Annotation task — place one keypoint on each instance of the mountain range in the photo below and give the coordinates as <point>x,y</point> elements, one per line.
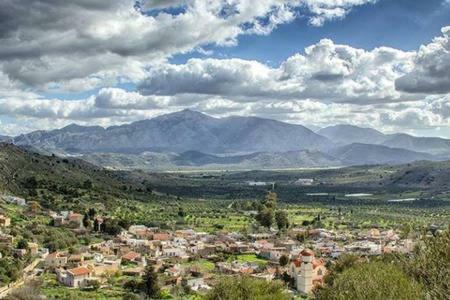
<point>348,134</point>
<point>190,139</point>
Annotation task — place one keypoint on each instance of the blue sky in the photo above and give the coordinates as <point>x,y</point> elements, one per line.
<point>401,24</point>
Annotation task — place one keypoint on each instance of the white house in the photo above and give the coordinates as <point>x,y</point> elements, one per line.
<point>77,277</point>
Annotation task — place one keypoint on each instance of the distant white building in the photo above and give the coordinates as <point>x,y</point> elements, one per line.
<point>304,181</point>
<point>257,183</point>
<point>173,252</point>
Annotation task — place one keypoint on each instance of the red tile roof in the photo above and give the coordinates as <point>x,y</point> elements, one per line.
<point>53,255</point>
<point>297,262</point>
<point>318,263</point>
<point>79,271</point>
<point>307,252</point>
<point>130,256</point>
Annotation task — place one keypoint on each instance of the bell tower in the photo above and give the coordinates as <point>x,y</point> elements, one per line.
<point>305,278</point>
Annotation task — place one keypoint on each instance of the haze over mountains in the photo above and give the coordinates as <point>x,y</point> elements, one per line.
<point>190,139</point>
<point>347,134</point>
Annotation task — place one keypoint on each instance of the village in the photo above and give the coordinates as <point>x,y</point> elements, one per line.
<point>194,260</point>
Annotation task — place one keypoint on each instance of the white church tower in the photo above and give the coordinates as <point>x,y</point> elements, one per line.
<point>305,277</point>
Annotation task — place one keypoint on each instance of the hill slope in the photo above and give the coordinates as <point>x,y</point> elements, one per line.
<point>198,160</point>
<point>22,171</point>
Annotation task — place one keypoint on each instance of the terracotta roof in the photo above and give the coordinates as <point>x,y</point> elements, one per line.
<point>53,255</point>
<point>246,270</point>
<point>131,256</point>
<point>161,236</point>
<point>79,271</point>
<point>307,252</point>
<point>318,263</point>
<point>75,217</point>
<point>315,263</point>
<point>297,262</point>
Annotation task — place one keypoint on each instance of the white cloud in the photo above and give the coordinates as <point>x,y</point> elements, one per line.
<point>431,72</point>
<point>65,43</point>
<point>326,71</point>
<point>115,98</point>
<point>324,10</point>
<point>117,106</point>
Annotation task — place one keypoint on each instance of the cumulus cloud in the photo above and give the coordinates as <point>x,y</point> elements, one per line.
<point>431,72</point>
<point>323,11</point>
<point>326,71</point>
<point>115,98</point>
<point>56,42</point>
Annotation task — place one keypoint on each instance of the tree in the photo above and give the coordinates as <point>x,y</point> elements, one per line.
<point>344,262</point>
<point>281,218</point>
<point>133,285</point>
<point>96,225</point>
<point>86,220</point>
<point>92,212</point>
<point>111,227</point>
<point>22,244</point>
<point>31,183</point>
<point>231,288</point>
<point>87,184</point>
<point>430,263</point>
<point>265,217</point>
<point>181,212</point>
<point>150,285</point>
<point>405,230</point>
<point>373,280</point>
<point>270,200</point>
<point>302,236</point>
<point>284,260</point>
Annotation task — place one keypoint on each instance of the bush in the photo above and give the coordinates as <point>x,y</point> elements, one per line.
<point>430,265</point>
<point>232,288</point>
<point>373,280</point>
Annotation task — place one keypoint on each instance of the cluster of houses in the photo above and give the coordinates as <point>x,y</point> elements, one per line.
<point>169,251</point>
<point>174,253</point>
<point>372,242</point>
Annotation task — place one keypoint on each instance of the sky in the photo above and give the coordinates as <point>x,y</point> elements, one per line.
<point>373,63</point>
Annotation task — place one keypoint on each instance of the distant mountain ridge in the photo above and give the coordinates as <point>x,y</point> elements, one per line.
<point>4,138</point>
<point>344,134</point>
<point>349,134</point>
<point>179,132</point>
<point>366,154</point>
<point>190,139</point>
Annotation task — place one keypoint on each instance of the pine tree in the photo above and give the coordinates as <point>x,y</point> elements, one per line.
<point>151,287</point>
<point>96,225</point>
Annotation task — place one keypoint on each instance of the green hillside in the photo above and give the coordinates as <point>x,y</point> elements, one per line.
<point>51,179</point>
